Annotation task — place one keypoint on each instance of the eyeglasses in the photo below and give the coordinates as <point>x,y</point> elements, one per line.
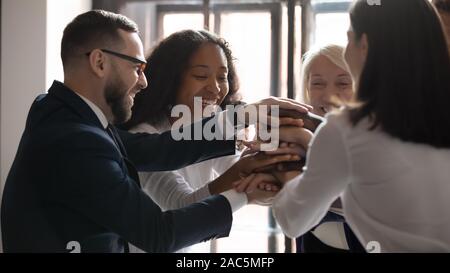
<point>142,64</point>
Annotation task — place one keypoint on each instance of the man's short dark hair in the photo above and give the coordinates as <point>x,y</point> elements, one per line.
<point>91,30</point>
<point>442,5</point>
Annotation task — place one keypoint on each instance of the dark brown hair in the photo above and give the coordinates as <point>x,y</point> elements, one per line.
<point>91,30</point>
<point>442,5</point>
<point>405,83</point>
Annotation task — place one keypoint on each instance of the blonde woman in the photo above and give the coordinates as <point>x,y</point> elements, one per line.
<point>325,79</point>
<point>325,84</point>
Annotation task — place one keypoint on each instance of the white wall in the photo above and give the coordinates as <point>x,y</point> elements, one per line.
<point>23,69</point>
<point>31,35</point>
<point>59,14</point>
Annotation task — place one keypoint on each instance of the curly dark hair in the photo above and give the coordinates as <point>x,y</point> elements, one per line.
<point>166,65</point>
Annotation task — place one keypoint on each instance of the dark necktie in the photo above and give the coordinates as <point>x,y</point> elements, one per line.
<point>132,172</point>
<point>116,138</point>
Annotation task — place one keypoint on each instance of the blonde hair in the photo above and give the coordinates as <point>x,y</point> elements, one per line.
<point>334,53</point>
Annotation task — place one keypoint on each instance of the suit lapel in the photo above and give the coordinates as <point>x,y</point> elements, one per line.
<point>72,100</point>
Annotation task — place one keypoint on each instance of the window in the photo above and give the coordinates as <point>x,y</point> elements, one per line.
<point>268,57</point>
<point>253,32</point>
<point>331,28</point>
<point>259,33</point>
<point>173,22</point>
<point>249,35</point>
<point>331,21</point>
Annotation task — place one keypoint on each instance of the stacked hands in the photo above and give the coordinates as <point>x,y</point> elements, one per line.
<point>261,174</point>
<point>283,164</point>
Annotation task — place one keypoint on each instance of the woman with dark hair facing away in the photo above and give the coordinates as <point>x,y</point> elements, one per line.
<point>388,156</point>
<point>186,65</point>
<point>443,8</point>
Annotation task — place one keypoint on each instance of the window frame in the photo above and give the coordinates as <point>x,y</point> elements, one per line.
<point>217,9</point>
<point>309,10</point>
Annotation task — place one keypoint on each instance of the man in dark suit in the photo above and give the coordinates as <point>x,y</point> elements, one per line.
<point>74,178</point>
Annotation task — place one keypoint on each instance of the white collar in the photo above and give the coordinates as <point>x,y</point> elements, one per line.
<point>101,117</point>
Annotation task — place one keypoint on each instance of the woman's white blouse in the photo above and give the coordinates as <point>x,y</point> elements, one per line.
<point>177,189</point>
<point>394,193</point>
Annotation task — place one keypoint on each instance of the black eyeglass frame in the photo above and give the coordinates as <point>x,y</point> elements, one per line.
<point>125,57</point>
